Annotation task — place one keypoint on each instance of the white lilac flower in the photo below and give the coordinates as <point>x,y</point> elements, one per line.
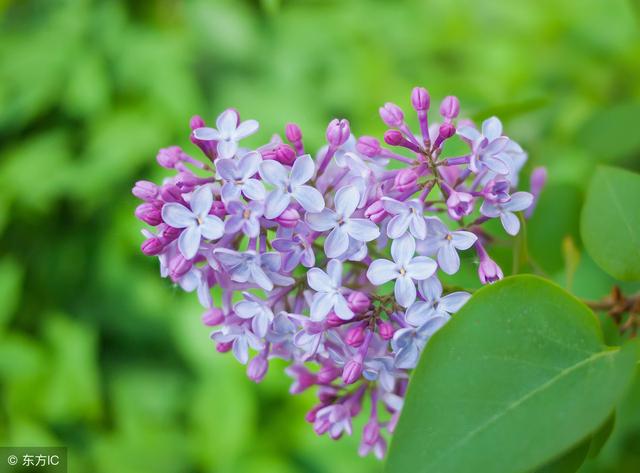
<point>196,221</point>
<point>196,280</point>
<point>290,184</point>
<point>238,177</point>
<point>328,296</point>
<point>519,201</point>
<point>241,338</point>
<point>245,217</point>
<point>255,309</point>
<point>409,342</point>
<point>343,227</point>
<point>407,216</point>
<point>444,244</point>
<point>228,133</point>
<point>434,304</point>
<point>249,266</point>
<point>488,148</point>
<point>296,248</point>
<point>405,269</point>
<point>383,370</point>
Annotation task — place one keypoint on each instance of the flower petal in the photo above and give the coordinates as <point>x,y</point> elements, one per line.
<point>398,225</point>
<point>403,249</point>
<point>240,350</point>
<point>453,302</point>
<point>309,197</point>
<point>321,305</point>
<point>448,259</point>
<point>469,133</point>
<point>227,149</point>
<point>519,201</point>
<point>334,270</point>
<point>342,309</point>
<point>322,221</point>
<point>463,240</point>
<point>405,291</point>
<point>510,222</point>
<point>302,170</point>
<point>206,134</point>
<point>337,242</point>
<point>228,169</point>
<point>246,128</point>
<point>253,189</point>
<point>492,128</point>
<point>201,200</point>
<point>362,229</point>
<point>247,309</point>
<point>421,267</point>
<point>419,313</point>
<point>430,289</point>
<point>273,172</point>
<point>346,201</point>
<point>319,280</point>
<point>177,215</point>
<point>382,271</point>
<point>393,206</point>
<point>227,121</point>
<point>248,164</point>
<point>189,241</point>
<point>260,277</point>
<point>276,202</point>
<point>212,227</point>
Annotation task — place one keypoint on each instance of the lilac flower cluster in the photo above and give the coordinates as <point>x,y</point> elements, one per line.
<point>332,263</point>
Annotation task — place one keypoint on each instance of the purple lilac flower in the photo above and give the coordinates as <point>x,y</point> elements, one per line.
<point>253,224</point>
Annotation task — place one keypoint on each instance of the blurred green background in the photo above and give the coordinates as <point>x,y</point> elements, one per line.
<point>96,351</point>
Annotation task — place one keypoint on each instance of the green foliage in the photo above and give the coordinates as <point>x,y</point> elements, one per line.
<point>610,223</point>
<point>496,389</point>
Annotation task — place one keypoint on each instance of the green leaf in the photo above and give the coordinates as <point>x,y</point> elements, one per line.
<point>570,461</point>
<point>519,375</point>
<point>610,223</point>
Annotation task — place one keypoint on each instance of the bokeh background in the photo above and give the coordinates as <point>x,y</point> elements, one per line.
<point>96,351</point>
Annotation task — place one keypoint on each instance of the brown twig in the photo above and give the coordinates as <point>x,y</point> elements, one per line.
<point>616,305</point>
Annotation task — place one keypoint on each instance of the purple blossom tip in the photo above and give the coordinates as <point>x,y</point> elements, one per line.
<point>392,115</point>
<point>257,368</point>
<point>352,371</point>
<point>293,132</point>
<point>355,335</point>
<point>213,317</point>
<point>406,179</point>
<point>369,146</point>
<point>196,122</point>
<point>376,212</point>
<point>149,213</point>
<point>385,329</point>
<point>145,190</point>
<point>358,302</point>
<point>338,132</point>
<point>420,99</point>
<point>450,107</point>
<point>289,218</point>
<point>393,138</point>
<point>170,157</point>
<point>152,246</point>
<point>488,271</point>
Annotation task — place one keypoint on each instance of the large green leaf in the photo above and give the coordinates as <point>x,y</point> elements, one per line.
<point>610,223</point>
<point>520,375</point>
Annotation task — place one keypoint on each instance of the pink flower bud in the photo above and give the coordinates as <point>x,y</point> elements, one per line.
<point>371,432</point>
<point>152,246</point>
<point>333,320</point>
<point>338,132</point>
<point>376,212</point>
<point>169,157</point>
<point>149,213</point>
<point>311,415</point>
<point>420,99</point>
<point>321,426</point>
<point>196,122</point>
<point>385,329</point>
<point>257,368</point>
<point>179,266</point>
<point>393,138</point>
<point>212,317</point>
<point>497,190</point>
<point>446,131</point>
<point>352,371</point>
<point>293,132</point>
<point>289,218</point>
<point>171,193</point>
<point>218,209</point>
<point>392,115</point>
<point>355,335</point>
<point>169,234</point>
<point>358,302</point>
<point>405,179</point>
<point>224,347</point>
<point>488,271</point>
<point>538,180</point>
<point>368,146</point>
<point>450,107</point>
<point>459,204</point>
<point>285,154</point>
<point>145,190</point>
<point>328,373</point>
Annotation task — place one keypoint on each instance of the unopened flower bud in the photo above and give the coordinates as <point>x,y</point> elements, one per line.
<point>420,99</point>
<point>538,180</point>
<point>328,373</point>
<point>149,213</point>
<point>446,131</point>
<point>169,157</point>
<point>224,347</point>
<point>497,190</point>
<point>488,271</point>
<point>450,107</point>
<point>212,317</point>
<point>392,115</point>
<point>369,146</point>
<point>218,209</point>
<point>393,138</point>
<point>171,193</point>
<point>358,302</point>
<point>333,320</point>
<point>338,132</point>
<point>459,204</point>
<point>179,266</point>
<point>405,179</point>
<point>385,329</point>
<point>145,190</point>
<point>293,132</point>
<point>376,212</point>
<point>352,371</point>
<point>285,154</point>
<point>289,218</point>
<point>355,335</point>
<point>257,368</point>
<point>196,122</point>
<point>169,234</point>
<point>152,246</point>
<point>371,432</point>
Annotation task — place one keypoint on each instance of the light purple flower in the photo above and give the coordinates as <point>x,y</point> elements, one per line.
<point>242,339</point>
<point>487,148</point>
<point>249,266</point>
<point>196,280</point>
<point>519,201</point>
<point>383,370</point>
<point>336,419</point>
<point>255,309</point>
<point>343,227</point>
<point>444,244</point>
<point>196,221</point>
<point>290,184</point>
<point>434,304</point>
<point>407,215</point>
<point>238,177</point>
<point>295,248</point>
<point>405,268</point>
<point>409,342</point>
<point>228,133</point>
<point>328,296</point>
<point>245,217</point>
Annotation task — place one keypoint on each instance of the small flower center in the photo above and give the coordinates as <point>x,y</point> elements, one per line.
<point>403,271</point>
<point>449,237</point>
<point>200,220</point>
<point>246,214</point>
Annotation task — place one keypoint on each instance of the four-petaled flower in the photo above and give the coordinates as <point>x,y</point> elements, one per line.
<point>434,304</point>
<point>228,133</point>
<point>343,227</point>
<point>196,221</point>
<point>488,148</point>
<point>519,201</point>
<point>290,184</point>
<point>255,309</point>
<point>241,337</point>
<point>245,217</point>
<point>238,177</point>
<point>444,244</point>
<point>249,266</point>
<point>405,268</point>
<point>407,216</point>
<point>328,287</point>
